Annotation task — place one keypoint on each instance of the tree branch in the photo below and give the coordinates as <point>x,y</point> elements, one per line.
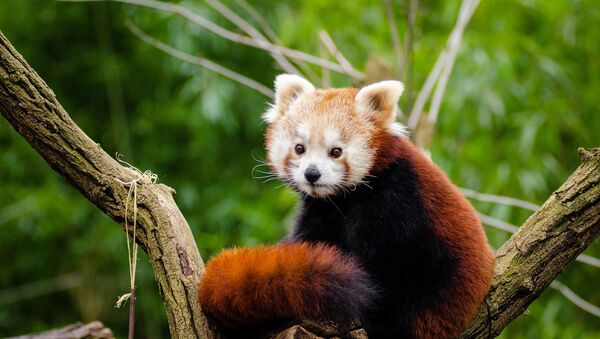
<point>548,241</point>
<point>200,61</point>
<point>93,330</point>
<point>33,110</point>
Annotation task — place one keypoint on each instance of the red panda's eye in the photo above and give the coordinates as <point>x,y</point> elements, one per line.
<point>299,149</point>
<point>336,152</point>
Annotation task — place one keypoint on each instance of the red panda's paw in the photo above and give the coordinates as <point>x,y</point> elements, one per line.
<point>244,287</point>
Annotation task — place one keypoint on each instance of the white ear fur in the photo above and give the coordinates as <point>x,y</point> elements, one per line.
<point>378,102</point>
<point>288,87</point>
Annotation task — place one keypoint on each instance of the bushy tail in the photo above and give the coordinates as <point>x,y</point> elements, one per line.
<point>245,287</point>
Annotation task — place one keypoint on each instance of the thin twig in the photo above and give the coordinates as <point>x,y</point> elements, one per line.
<point>211,65</point>
<point>325,73</point>
<point>498,199</point>
<point>575,299</point>
<point>395,36</point>
<point>411,16</point>
<point>131,314</point>
<point>497,223</point>
<point>232,36</point>
<point>417,110</point>
<point>262,22</point>
<point>444,63</point>
<point>270,33</point>
<point>330,45</point>
<point>252,32</point>
<point>587,259</point>
<point>465,15</point>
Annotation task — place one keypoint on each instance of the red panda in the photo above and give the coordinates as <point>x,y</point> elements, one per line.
<point>377,220</point>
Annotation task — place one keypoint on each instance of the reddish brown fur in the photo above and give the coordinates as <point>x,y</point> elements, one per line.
<point>286,162</point>
<point>245,287</point>
<point>453,219</point>
<point>456,223</point>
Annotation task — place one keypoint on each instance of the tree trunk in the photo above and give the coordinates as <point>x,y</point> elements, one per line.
<point>163,233</point>
<point>546,243</point>
<point>550,239</point>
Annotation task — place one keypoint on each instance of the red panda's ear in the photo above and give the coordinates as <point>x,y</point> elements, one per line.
<point>288,87</point>
<point>378,103</point>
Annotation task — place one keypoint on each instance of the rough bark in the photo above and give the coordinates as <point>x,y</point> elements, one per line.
<point>314,329</point>
<point>93,330</point>
<point>301,332</point>
<point>163,233</point>
<point>526,264</point>
<point>546,243</point>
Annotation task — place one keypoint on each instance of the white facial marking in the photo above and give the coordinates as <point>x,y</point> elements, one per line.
<point>304,131</point>
<point>332,136</point>
<point>279,150</point>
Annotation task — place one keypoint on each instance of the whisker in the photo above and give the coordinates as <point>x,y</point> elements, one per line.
<point>255,169</point>
<point>263,172</point>
<point>264,176</point>
<point>257,159</point>
<point>267,175</point>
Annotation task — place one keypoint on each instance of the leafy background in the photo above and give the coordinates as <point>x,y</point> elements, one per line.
<point>521,99</point>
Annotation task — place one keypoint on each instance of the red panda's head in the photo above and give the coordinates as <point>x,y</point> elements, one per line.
<point>322,141</point>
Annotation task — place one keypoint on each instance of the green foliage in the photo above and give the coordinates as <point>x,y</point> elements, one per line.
<point>521,99</point>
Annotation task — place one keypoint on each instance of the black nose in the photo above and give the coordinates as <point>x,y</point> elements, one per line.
<point>312,174</point>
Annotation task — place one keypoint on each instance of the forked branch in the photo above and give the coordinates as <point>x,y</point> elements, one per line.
<point>31,108</point>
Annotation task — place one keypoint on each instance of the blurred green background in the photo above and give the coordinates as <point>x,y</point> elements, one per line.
<point>522,97</point>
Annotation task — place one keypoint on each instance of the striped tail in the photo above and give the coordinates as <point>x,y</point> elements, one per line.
<point>246,287</point>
